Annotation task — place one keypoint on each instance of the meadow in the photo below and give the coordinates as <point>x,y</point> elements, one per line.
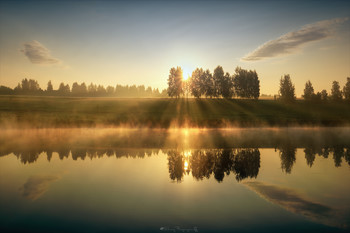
<point>54,112</point>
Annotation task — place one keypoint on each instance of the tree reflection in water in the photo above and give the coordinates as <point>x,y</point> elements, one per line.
<point>222,151</point>
<point>243,162</point>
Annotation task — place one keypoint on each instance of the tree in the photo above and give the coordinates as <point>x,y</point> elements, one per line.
<point>346,89</point>
<point>49,87</point>
<point>175,82</point>
<point>196,83</point>
<point>324,95</point>
<point>63,89</point>
<point>218,78</point>
<point>209,84</point>
<point>227,86</point>
<point>101,91</point>
<point>110,90</point>
<point>92,89</point>
<point>246,83</point>
<point>287,89</point>
<point>5,90</point>
<point>336,94</point>
<point>308,91</point>
<point>75,88</point>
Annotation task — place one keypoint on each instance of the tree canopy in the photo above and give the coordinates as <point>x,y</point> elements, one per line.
<point>287,89</point>
<point>175,88</point>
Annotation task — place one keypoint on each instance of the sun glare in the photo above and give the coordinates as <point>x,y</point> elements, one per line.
<point>187,72</point>
<point>186,166</point>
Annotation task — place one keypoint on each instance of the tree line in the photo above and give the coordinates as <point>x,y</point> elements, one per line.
<point>31,87</point>
<point>243,84</point>
<point>287,91</point>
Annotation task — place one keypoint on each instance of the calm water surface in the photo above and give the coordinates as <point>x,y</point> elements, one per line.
<point>179,180</point>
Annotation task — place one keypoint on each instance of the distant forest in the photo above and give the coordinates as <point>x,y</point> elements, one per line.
<point>31,87</point>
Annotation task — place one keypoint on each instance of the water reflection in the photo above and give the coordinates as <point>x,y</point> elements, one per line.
<point>217,162</point>
<point>243,162</point>
<point>270,175</point>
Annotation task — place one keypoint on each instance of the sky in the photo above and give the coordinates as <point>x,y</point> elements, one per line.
<point>138,42</point>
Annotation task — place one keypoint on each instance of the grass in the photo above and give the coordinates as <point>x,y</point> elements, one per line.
<point>48,112</point>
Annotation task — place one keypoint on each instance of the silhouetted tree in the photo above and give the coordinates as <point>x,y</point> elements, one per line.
<point>196,83</point>
<point>49,87</point>
<point>308,91</point>
<point>28,86</point>
<point>246,83</point>
<point>209,84</point>
<point>6,90</point>
<point>287,89</point>
<point>227,86</point>
<point>346,89</point>
<point>324,95</point>
<point>63,89</point>
<point>175,82</point>
<point>219,82</point>
<point>336,94</point>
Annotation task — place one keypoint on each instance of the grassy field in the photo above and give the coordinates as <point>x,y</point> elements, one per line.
<point>42,112</point>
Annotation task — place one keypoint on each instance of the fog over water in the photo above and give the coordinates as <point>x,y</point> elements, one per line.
<point>250,177</point>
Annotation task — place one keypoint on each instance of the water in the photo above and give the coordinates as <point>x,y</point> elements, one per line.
<point>178,180</point>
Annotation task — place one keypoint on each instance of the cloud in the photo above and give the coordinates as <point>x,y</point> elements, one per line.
<point>292,41</point>
<point>36,186</point>
<point>38,53</point>
<point>296,203</point>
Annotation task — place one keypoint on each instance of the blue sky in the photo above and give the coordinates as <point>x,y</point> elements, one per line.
<point>137,42</point>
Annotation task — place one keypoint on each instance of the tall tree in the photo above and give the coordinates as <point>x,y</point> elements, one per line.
<point>287,89</point>
<point>246,83</point>
<point>175,82</point>
<point>209,84</point>
<point>346,89</point>
<point>49,87</point>
<point>227,86</point>
<point>336,94</point>
<point>196,83</point>
<point>63,89</point>
<point>218,78</point>
<point>308,91</point>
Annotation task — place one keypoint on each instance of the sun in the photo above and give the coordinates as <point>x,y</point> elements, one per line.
<point>186,73</point>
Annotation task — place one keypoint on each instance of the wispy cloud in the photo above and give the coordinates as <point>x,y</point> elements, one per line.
<point>38,53</point>
<point>292,41</point>
<point>36,186</point>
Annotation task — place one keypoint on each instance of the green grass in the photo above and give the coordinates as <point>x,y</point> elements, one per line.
<point>41,112</point>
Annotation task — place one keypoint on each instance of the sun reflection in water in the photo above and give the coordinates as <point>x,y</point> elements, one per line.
<point>186,166</point>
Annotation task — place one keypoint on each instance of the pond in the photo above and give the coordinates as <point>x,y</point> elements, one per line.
<point>175,180</point>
